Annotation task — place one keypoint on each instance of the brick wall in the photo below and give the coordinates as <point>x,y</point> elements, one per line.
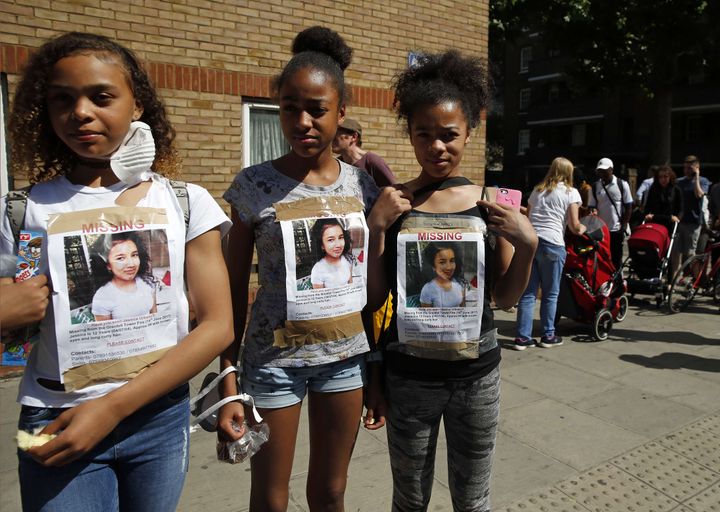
<point>206,56</point>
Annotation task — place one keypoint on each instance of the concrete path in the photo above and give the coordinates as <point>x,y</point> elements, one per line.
<point>628,424</point>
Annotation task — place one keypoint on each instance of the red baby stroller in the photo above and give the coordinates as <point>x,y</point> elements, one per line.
<point>648,263</point>
<point>592,290</point>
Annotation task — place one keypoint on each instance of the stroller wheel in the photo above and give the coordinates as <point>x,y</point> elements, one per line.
<point>602,324</point>
<point>622,308</point>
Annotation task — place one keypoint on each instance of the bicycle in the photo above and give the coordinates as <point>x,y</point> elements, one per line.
<point>696,275</point>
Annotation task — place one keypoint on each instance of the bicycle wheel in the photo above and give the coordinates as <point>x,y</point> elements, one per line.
<point>686,283</point>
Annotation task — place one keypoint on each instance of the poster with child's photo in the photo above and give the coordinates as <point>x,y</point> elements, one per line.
<point>325,265</point>
<point>440,294</point>
<point>112,273</point>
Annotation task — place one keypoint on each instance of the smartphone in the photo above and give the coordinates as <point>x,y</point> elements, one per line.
<point>509,196</point>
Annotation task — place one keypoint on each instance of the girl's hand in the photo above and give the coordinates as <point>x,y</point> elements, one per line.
<point>509,223</point>
<point>648,217</point>
<point>229,413</point>
<point>78,431</point>
<point>674,218</point>
<point>376,407</point>
<point>392,202</point>
<point>24,302</point>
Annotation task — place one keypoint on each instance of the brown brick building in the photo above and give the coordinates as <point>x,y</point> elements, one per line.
<point>213,60</point>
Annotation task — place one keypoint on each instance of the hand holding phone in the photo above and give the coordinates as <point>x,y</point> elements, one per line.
<point>509,196</point>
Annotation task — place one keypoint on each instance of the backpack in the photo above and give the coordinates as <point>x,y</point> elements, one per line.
<point>16,202</point>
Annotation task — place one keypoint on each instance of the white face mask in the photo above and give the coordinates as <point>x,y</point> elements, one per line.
<point>131,162</point>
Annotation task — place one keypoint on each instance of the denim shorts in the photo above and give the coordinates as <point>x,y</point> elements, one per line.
<point>274,387</point>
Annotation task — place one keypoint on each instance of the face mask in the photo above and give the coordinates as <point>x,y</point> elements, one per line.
<point>131,162</point>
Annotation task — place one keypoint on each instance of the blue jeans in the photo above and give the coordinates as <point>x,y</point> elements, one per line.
<point>140,466</point>
<point>546,274</point>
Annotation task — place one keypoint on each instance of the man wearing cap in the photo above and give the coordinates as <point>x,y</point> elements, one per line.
<point>693,187</point>
<point>348,146</point>
<point>612,201</point>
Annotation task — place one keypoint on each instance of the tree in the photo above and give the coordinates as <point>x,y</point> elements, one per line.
<point>647,45</point>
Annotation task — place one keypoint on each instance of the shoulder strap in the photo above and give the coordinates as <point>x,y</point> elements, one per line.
<point>181,192</point>
<point>16,206</point>
<point>456,181</point>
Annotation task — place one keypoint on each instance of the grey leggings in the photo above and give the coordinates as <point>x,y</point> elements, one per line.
<point>469,410</point>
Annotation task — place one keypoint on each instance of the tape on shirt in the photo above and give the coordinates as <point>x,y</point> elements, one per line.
<point>309,332</point>
<point>329,206</point>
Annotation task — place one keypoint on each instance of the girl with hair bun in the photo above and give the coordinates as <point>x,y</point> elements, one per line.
<point>450,375</point>
<point>282,362</point>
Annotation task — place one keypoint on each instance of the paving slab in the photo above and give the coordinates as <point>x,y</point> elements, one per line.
<point>514,395</point>
<point>550,500</point>
<point>521,470</point>
<point>639,411</point>
<point>607,488</point>
<point>571,437</point>
<point>697,444</point>
<point>557,381</point>
<point>705,501</point>
<point>676,386</point>
<point>669,472</point>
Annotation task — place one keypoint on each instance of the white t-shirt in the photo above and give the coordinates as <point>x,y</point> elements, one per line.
<point>329,275</point>
<point>117,303</point>
<point>604,205</point>
<point>435,295</point>
<point>643,189</point>
<point>548,212</point>
<point>59,196</point>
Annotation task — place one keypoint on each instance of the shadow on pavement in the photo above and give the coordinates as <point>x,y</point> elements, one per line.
<point>674,361</point>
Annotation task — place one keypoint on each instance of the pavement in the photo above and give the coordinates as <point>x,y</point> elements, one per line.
<point>628,424</point>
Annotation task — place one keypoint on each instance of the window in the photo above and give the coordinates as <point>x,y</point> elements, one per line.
<point>262,136</point>
<point>553,93</point>
<point>577,137</point>
<point>5,184</point>
<point>524,99</point>
<point>693,128</point>
<point>523,141</point>
<point>525,58</point>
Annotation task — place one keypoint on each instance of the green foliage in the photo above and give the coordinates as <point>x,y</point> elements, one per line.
<point>643,43</point>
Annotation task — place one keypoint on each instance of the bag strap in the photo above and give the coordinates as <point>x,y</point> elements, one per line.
<point>242,397</point>
<point>610,199</point>
<point>181,193</point>
<point>16,206</point>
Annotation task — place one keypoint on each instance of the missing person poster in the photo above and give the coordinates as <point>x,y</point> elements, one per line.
<point>111,271</point>
<point>325,240</point>
<point>441,275</point>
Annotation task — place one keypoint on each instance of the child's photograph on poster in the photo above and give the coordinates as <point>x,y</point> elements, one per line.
<point>327,251</point>
<point>441,274</point>
<point>117,275</point>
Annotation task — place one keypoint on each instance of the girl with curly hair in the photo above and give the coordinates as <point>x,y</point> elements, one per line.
<point>327,364</point>
<point>453,375</point>
<point>120,443</point>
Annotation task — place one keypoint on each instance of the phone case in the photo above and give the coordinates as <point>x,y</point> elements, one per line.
<point>509,196</point>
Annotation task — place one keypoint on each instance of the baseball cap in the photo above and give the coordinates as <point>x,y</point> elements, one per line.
<point>604,163</point>
<point>351,125</point>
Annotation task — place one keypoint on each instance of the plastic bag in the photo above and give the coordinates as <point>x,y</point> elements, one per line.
<point>245,447</point>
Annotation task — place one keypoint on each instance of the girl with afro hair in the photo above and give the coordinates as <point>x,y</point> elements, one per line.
<point>440,101</point>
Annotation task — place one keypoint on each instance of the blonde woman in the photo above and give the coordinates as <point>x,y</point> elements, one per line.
<point>553,204</point>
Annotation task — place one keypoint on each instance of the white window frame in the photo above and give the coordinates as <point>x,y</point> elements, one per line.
<point>525,58</point>
<point>523,141</point>
<point>4,177</point>
<point>525,95</point>
<point>247,107</point>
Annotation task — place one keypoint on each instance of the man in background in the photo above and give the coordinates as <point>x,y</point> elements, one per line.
<point>612,201</point>
<point>348,146</point>
<point>693,187</point>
